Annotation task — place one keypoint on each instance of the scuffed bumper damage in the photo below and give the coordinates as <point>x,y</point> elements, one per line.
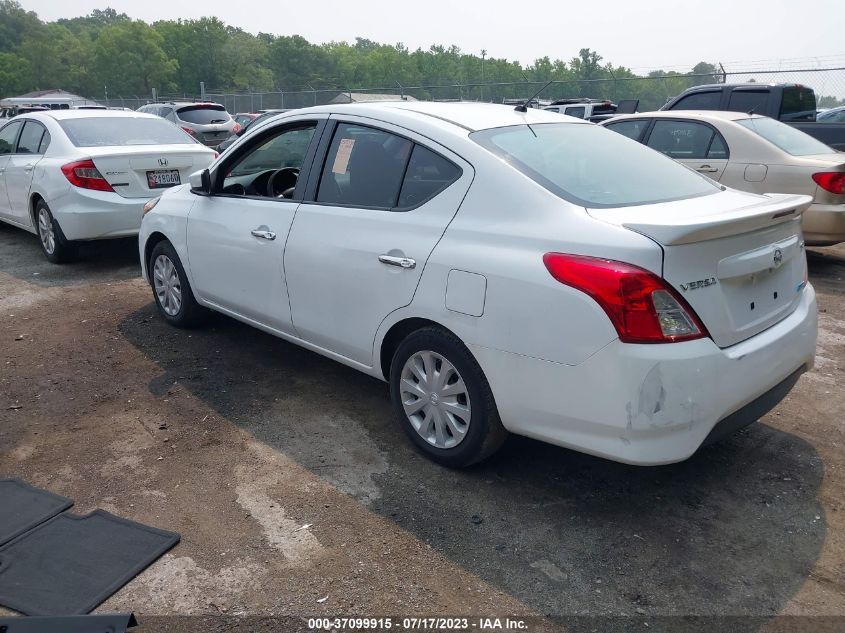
<point>649,404</point>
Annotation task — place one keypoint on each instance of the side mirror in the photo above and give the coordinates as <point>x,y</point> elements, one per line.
<point>200,182</point>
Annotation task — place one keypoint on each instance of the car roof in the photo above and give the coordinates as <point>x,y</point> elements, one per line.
<point>470,116</point>
<point>702,115</point>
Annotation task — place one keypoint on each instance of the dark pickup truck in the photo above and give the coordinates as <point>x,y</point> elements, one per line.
<point>791,103</point>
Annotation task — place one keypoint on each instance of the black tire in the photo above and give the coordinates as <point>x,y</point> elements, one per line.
<point>50,235</point>
<point>484,434</point>
<point>189,313</point>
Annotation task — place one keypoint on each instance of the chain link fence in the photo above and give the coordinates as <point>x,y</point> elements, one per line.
<point>651,91</point>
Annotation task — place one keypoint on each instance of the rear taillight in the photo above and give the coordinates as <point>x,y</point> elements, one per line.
<point>832,181</point>
<point>237,128</point>
<point>642,307</point>
<point>189,131</point>
<point>85,175</point>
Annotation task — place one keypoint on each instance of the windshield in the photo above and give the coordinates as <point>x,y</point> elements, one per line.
<point>787,138</point>
<point>593,167</point>
<point>107,131</point>
<point>203,115</point>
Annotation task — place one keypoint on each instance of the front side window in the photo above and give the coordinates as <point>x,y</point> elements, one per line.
<point>787,138</point>
<point>364,167</point>
<point>700,101</point>
<point>30,140</point>
<point>271,168</point>
<point>593,167</point>
<point>681,139</point>
<point>8,134</point>
<point>632,128</point>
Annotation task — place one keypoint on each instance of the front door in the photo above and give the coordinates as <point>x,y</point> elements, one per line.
<point>21,167</point>
<point>236,235</point>
<point>356,251</point>
<point>696,145</point>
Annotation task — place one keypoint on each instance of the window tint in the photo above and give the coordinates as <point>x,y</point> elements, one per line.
<point>427,175</point>
<point>592,167</point>
<point>203,115</point>
<point>577,112</point>
<point>631,129</point>
<point>718,149</point>
<point>102,131</point>
<point>700,101</point>
<point>30,139</point>
<point>680,139</point>
<point>8,135</point>
<point>256,173</point>
<point>755,101</point>
<point>790,140</point>
<point>364,167</point>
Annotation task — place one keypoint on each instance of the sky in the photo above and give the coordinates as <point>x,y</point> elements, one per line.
<point>642,35</point>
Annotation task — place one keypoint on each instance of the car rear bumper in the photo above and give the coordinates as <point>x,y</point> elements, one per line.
<point>652,404</point>
<point>824,224</point>
<point>90,215</point>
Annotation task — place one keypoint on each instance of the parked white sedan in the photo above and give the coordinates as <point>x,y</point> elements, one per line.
<point>71,175</point>
<point>751,153</point>
<point>502,270</point>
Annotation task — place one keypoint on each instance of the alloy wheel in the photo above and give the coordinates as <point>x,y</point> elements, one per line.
<point>46,231</point>
<point>435,399</point>
<point>167,286</point>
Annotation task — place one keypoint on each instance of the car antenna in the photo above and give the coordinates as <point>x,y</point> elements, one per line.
<point>523,107</point>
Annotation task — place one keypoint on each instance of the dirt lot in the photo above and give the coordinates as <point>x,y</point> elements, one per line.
<point>235,439</point>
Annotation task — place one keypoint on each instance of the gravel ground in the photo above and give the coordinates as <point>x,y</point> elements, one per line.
<point>289,481</point>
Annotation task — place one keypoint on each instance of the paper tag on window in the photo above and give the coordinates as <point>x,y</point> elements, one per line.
<point>344,151</point>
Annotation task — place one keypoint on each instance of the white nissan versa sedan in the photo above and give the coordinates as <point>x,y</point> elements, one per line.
<point>71,175</point>
<point>502,270</point>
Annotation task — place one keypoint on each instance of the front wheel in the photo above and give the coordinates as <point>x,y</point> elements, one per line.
<point>442,399</point>
<point>172,291</point>
<point>54,245</point>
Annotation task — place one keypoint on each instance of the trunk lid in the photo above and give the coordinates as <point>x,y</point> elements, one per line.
<point>737,259</point>
<point>146,171</point>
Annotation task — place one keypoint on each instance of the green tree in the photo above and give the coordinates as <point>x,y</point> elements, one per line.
<point>129,59</point>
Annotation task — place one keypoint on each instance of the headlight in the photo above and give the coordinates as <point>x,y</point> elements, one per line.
<point>151,205</point>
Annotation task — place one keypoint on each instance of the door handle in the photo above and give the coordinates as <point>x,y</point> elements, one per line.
<point>402,262</point>
<point>707,169</point>
<point>28,168</point>
<point>265,235</point>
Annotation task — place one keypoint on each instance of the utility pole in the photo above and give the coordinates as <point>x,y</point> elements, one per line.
<point>483,55</point>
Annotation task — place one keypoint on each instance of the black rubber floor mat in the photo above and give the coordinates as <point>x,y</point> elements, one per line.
<point>22,507</point>
<point>71,563</point>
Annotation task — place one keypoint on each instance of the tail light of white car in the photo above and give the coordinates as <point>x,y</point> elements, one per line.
<point>85,175</point>
<point>150,205</point>
<point>832,181</point>
<point>642,307</point>
<point>189,131</point>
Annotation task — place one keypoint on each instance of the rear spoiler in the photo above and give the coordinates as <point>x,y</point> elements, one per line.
<point>662,224</point>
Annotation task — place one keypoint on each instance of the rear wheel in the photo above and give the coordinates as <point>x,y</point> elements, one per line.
<point>56,248</point>
<point>442,399</point>
<point>172,291</point>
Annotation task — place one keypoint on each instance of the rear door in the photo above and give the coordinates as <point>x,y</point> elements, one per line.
<point>32,144</point>
<point>381,200</point>
<point>695,144</point>
<point>8,140</point>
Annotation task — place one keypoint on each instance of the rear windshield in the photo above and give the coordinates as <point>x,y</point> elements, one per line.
<point>204,114</point>
<point>799,104</point>
<point>789,139</point>
<point>593,167</point>
<point>106,131</point>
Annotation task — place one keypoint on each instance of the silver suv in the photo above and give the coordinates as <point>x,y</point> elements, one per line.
<point>209,123</point>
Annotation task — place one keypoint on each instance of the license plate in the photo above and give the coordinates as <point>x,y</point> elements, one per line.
<point>162,178</point>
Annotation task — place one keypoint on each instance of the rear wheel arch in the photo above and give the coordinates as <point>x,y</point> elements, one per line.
<point>397,333</point>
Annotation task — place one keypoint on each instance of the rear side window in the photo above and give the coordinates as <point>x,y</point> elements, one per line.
<point>577,112</point>
<point>799,104</point>
<point>203,115</point>
<point>101,131</point>
<point>631,129</point>
<point>681,139</point>
<point>427,175</point>
<point>593,167</point>
<point>30,140</point>
<point>699,101</point>
<point>753,101</point>
<point>365,167</point>
<point>8,134</point>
